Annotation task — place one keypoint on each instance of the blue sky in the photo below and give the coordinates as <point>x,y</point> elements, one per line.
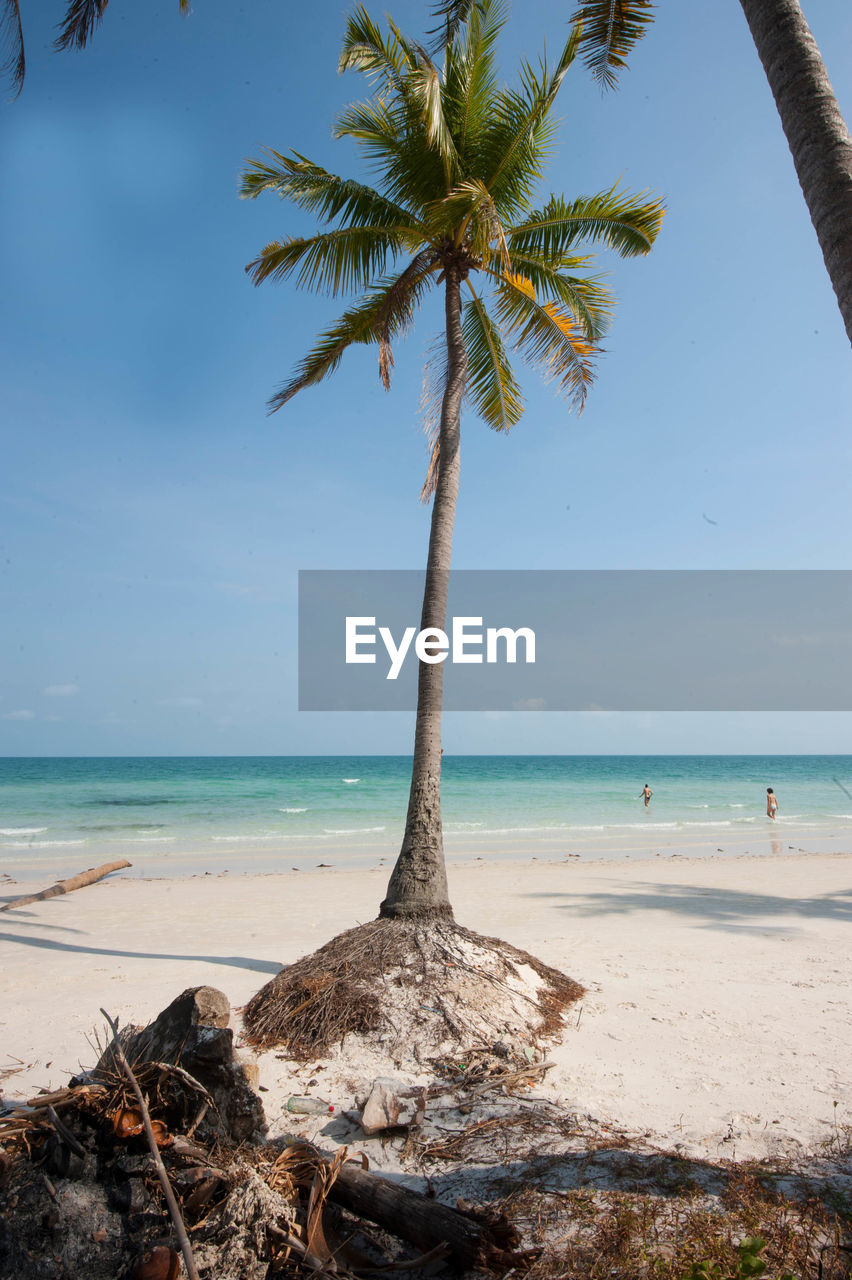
<point>153,518</point>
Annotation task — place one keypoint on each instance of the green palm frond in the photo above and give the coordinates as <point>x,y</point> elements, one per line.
<point>586,297</point>
<point>611,28</point>
<point>414,173</point>
<point>469,216</point>
<point>548,337</point>
<point>426,92</point>
<point>404,128</point>
<point>342,260</point>
<point>313,188</point>
<point>491,385</point>
<point>385,61</point>
<point>384,311</point>
<point>373,127</point>
<point>522,130</point>
<point>408,166</point>
<point>624,222</point>
<point>12,39</point>
<point>471,79</point>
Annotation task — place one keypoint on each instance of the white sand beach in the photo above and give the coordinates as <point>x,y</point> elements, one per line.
<point>716,1020</point>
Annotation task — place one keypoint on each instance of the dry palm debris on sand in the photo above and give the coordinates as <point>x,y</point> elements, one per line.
<point>538,1190</point>
<point>82,1196</point>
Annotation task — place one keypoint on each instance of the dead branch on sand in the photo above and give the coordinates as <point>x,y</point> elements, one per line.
<point>66,886</point>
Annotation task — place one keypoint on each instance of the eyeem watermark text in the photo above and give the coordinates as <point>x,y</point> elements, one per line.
<point>591,641</point>
<point>434,645</point>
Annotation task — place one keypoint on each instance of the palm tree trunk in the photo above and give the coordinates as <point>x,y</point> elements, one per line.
<point>815,130</point>
<point>418,885</point>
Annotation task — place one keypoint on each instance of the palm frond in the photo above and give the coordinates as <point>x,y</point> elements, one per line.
<point>338,261</point>
<point>586,297</point>
<point>414,174</point>
<point>403,129</point>
<point>548,337</point>
<point>78,25</point>
<point>522,130</point>
<point>469,214</point>
<point>373,126</point>
<point>627,223</point>
<point>451,16</point>
<point>425,88</point>
<point>381,314</point>
<point>491,384</point>
<point>365,49</point>
<point>431,403</point>
<point>82,17</point>
<point>611,28</point>
<point>313,188</point>
<point>12,38</point>
<point>471,78</point>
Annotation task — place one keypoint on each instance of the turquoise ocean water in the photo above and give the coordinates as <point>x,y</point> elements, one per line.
<point>177,816</point>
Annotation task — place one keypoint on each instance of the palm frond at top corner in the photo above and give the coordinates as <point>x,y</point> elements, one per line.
<point>14,64</point>
<point>609,30</point>
<point>451,15</point>
<point>78,25</point>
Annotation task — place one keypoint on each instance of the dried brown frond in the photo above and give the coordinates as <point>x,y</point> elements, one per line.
<point>385,361</point>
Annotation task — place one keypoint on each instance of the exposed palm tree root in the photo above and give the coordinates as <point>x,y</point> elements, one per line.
<point>399,983</point>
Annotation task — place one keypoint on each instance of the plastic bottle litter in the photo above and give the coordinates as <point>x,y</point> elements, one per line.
<point>308,1106</point>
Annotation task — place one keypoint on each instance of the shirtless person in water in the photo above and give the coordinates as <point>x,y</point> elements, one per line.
<point>771,803</point>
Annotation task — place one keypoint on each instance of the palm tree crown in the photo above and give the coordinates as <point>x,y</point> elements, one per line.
<point>458,160</point>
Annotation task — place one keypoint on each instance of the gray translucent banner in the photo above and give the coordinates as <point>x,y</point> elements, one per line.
<point>603,640</point>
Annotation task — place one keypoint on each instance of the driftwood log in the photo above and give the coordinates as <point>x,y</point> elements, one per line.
<point>419,1220</point>
<point>66,886</point>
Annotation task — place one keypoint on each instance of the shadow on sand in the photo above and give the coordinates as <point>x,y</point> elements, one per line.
<point>712,908</point>
<point>52,944</point>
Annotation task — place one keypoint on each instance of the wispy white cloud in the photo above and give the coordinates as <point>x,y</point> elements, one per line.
<point>61,691</point>
<point>18,715</point>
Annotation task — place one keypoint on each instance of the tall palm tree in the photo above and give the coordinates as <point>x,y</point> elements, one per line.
<point>810,116</point>
<point>457,160</point>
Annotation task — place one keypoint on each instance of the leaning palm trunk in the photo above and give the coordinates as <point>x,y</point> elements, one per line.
<point>418,884</point>
<point>815,130</point>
